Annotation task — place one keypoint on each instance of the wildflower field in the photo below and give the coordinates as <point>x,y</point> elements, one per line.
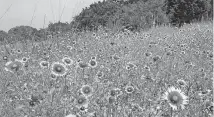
<point>162,72</point>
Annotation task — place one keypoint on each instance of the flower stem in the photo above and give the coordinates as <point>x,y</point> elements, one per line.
<point>171,112</point>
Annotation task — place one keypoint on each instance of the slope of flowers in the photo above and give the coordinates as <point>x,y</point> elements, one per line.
<point>159,73</point>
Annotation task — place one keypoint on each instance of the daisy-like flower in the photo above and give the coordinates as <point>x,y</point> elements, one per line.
<point>58,69</point>
<point>92,63</point>
<point>86,90</point>
<point>81,101</point>
<point>70,115</point>
<point>129,89</point>
<point>67,61</point>
<point>176,98</point>
<point>181,83</point>
<point>82,65</point>
<point>204,93</point>
<point>44,64</point>
<point>24,59</point>
<point>13,66</point>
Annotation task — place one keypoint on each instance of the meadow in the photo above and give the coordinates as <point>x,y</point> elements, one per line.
<point>162,72</point>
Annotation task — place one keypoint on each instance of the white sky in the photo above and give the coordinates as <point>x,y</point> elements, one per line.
<point>22,11</point>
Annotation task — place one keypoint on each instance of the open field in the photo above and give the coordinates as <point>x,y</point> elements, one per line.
<point>110,74</point>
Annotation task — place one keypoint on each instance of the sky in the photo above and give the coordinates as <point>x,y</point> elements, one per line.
<point>38,13</point>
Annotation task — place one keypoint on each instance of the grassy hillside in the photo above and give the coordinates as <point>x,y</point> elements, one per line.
<point>109,73</point>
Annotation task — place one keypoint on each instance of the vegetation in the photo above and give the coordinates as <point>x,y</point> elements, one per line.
<point>134,15</point>
<point>3,35</point>
<point>117,15</point>
<point>143,14</point>
<point>120,61</point>
<point>161,72</point>
<point>186,11</point>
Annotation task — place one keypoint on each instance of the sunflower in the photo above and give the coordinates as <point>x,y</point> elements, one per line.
<point>129,89</point>
<point>58,69</point>
<point>181,82</point>
<point>13,66</point>
<point>82,101</point>
<point>176,98</point>
<point>67,61</point>
<point>86,90</point>
<point>44,64</point>
<point>92,63</point>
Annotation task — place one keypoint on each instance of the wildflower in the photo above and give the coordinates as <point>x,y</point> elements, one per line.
<point>130,66</point>
<point>204,93</point>
<point>147,68</point>
<point>13,66</point>
<point>24,59</point>
<point>86,90</point>
<point>58,69</point>
<point>181,83</point>
<point>53,76</point>
<point>67,61</point>
<point>82,65</point>
<point>93,63</point>
<point>5,58</point>
<point>81,101</point>
<point>100,74</point>
<point>175,97</point>
<point>129,89</point>
<point>93,57</point>
<point>94,35</point>
<point>44,64</point>
<point>115,92</point>
<point>156,58</point>
<point>147,54</point>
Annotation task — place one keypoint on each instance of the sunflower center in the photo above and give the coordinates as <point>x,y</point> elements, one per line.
<point>129,89</point>
<point>81,100</point>
<point>58,68</point>
<point>93,63</point>
<point>86,90</point>
<point>67,61</point>
<point>175,98</point>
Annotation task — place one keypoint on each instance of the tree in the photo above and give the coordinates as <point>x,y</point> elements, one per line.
<point>58,27</point>
<point>187,11</point>
<point>3,35</point>
<point>131,14</point>
<point>23,32</point>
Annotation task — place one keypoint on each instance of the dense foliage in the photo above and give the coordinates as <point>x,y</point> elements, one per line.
<point>58,27</point>
<point>141,14</point>
<point>3,35</point>
<point>186,11</point>
<point>118,15</point>
<point>134,15</point>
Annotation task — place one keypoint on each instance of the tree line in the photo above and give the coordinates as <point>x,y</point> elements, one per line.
<point>134,15</point>
<point>141,14</point>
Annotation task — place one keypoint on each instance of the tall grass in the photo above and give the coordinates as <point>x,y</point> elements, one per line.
<point>183,54</point>
<point>149,61</point>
